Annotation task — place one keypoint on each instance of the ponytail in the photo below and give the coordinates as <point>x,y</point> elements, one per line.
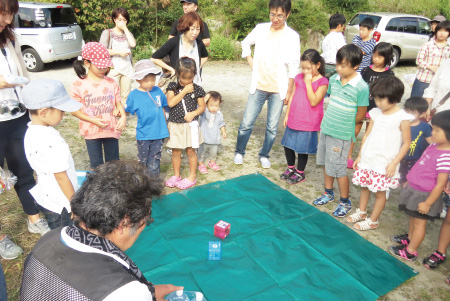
<point>78,66</point>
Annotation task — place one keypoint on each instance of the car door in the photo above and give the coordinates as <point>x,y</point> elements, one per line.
<point>409,37</point>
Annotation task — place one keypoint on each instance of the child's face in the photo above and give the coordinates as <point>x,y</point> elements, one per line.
<point>340,27</point>
<point>345,69</point>
<point>438,135</point>
<point>213,105</point>
<point>48,116</point>
<point>364,32</point>
<point>309,68</point>
<point>442,35</point>
<point>378,60</point>
<point>148,82</point>
<point>97,72</point>
<point>383,103</point>
<point>186,78</point>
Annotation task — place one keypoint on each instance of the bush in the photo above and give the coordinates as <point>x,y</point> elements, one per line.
<point>223,48</point>
<point>142,53</point>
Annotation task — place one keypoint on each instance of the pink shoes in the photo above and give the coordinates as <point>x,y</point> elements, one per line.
<point>202,169</point>
<point>172,181</point>
<point>185,183</point>
<point>213,166</point>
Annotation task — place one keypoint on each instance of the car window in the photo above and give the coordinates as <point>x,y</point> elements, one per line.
<point>359,17</point>
<point>45,17</point>
<point>409,25</point>
<point>394,25</point>
<point>424,27</point>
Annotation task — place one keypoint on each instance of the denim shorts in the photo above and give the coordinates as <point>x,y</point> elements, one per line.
<point>332,152</point>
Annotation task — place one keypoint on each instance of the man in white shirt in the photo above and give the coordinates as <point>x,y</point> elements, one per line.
<point>333,42</point>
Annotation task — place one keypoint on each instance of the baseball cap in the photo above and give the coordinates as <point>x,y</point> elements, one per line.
<point>190,1</point>
<point>144,67</point>
<point>48,93</point>
<point>438,18</point>
<point>97,54</point>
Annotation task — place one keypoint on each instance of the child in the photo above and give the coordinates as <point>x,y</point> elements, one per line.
<point>148,103</point>
<point>420,135</point>
<point>186,102</point>
<point>365,42</point>
<point>166,76</point>
<point>381,57</point>
<point>384,144</point>
<point>99,96</point>
<point>421,199</point>
<point>349,97</point>
<point>430,57</point>
<point>47,152</point>
<point>211,125</point>
<point>333,42</point>
<point>304,115</point>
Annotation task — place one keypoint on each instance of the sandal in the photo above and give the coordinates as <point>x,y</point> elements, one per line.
<point>366,224</point>
<point>185,183</point>
<point>356,217</point>
<point>202,169</point>
<point>172,181</point>
<point>213,166</point>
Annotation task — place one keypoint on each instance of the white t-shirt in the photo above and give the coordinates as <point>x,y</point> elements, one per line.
<point>330,46</point>
<point>48,153</point>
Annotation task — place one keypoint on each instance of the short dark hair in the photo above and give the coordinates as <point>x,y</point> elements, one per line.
<point>388,86</point>
<point>9,7</point>
<point>441,120</point>
<point>416,104</point>
<point>351,54</point>
<point>385,50</point>
<point>189,19</point>
<point>120,11</point>
<point>336,20</point>
<point>369,23</point>
<point>314,57</point>
<point>185,64</point>
<point>443,25</point>
<point>215,95</point>
<point>114,191</point>
<point>285,5</point>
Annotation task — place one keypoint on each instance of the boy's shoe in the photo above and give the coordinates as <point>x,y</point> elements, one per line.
<point>213,166</point>
<point>238,159</point>
<point>401,239</point>
<point>285,175</point>
<point>342,209</point>
<point>324,199</point>
<point>402,252</point>
<point>40,227</point>
<point>8,249</point>
<point>202,169</point>
<point>265,163</point>
<point>433,260</point>
<point>296,178</point>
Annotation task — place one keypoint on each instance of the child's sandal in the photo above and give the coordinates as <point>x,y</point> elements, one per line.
<point>366,224</point>
<point>356,217</point>
<point>185,184</point>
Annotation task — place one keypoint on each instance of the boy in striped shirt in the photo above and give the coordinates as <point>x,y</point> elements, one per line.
<point>349,98</point>
<point>365,42</point>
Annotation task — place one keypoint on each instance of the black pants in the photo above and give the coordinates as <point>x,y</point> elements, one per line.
<point>96,147</point>
<point>290,158</point>
<point>12,133</point>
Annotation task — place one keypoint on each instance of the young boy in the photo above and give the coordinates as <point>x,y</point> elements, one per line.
<point>365,42</point>
<point>148,103</point>
<point>333,42</point>
<point>349,98</point>
<point>47,152</point>
<point>420,135</point>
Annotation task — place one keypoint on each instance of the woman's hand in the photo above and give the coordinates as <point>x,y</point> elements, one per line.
<point>423,208</point>
<point>190,116</point>
<point>122,123</point>
<point>122,25</point>
<point>390,170</point>
<point>4,84</point>
<point>124,53</point>
<point>100,123</point>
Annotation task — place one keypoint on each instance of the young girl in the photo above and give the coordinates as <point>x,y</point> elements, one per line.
<point>211,126</point>
<point>186,102</point>
<point>304,115</point>
<point>421,199</point>
<point>384,144</point>
<point>381,58</point>
<point>100,95</point>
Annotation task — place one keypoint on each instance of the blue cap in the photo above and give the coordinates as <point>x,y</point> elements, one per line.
<point>48,93</point>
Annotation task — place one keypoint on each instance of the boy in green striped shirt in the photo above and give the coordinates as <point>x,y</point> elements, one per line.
<point>349,98</point>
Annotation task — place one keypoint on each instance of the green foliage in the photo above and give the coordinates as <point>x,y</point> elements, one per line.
<point>223,48</point>
<point>348,7</point>
<point>142,52</point>
<point>307,17</point>
<point>244,15</point>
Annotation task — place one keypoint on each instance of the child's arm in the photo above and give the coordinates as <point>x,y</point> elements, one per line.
<point>64,183</point>
<point>360,114</point>
<point>173,100</point>
<point>224,132</point>
<point>289,107</point>
<point>441,181</point>
<point>222,126</point>
<point>200,109</point>
<point>366,134</point>
<point>314,97</point>
<point>122,123</point>
<point>95,121</point>
<point>405,128</point>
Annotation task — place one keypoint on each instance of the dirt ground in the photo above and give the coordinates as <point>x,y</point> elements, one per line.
<point>232,80</point>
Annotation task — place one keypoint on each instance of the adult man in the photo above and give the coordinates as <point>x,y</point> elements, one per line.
<point>86,261</point>
<point>188,6</point>
<point>274,65</point>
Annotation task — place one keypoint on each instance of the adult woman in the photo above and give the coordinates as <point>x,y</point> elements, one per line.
<point>119,41</point>
<point>438,93</point>
<point>13,125</point>
<point>186,44</point>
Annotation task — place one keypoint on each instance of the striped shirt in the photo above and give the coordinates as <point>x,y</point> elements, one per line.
<point>423,175</point>
<point>339,118</point>
<point>430,54</point>
<point>367,47</point>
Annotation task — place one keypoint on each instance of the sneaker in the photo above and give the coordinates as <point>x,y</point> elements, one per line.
<point>265,163</point>
<point>202,169</point>
<point>342,209</point>
<point>324,199</point>
<point>285,175</point>
<point>238,159</point>
<point>433,260</point>
<point>213,166</point>
<point>296,177</point>
<point>40,227</point>
<point>9,250</point>
<point>401,239</point>
<point>402,252</point>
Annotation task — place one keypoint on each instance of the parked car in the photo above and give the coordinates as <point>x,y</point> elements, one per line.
<point>407,33</point>
<point>47,32</point>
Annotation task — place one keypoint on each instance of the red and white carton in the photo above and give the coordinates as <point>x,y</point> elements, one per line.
<point>222,229</point>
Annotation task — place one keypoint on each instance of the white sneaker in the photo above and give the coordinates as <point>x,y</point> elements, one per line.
<point>8,249</point>
<point>265,163</point>
<point>238,159</point>
<point>40,227</point>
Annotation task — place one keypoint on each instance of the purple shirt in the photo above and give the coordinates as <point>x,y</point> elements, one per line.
<point>423,175</point>
<point>303,117</point>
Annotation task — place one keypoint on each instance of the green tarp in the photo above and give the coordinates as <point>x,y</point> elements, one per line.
<point>280,248</point>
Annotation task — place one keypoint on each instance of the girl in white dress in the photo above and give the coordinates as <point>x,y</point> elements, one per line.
<point>384,144</point>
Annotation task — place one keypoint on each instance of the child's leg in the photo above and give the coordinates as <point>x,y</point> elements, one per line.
<point>380,202</point>
<point>176,161</point>
<point>290,157</point>
<point>364,199</point>
<point>213,152</point>
<point>143,148</point>
<point>95,152</point>
<point>357,130</point>
<point>154,157</point>
<point>444,234</point>
<point>192,156</point>
<point>302,161</point>
<point>418,234</point>
<point>111,148</point>
<point>201,154</point>
<point>343,187</point>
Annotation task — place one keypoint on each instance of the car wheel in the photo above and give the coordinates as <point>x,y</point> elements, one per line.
<point>32,60</point>
<point>395,58</point>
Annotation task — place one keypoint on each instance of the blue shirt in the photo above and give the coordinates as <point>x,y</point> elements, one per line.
<point>210,125</point>
<point>418,142</point>
<point>367,47</point>
<point>151,123</point>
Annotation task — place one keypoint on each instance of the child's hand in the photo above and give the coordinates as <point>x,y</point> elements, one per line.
<point>116,112</point>
<point>356,162</point>
<point>188,89</point>
<point>390,170</point>
<point>447,188</point>
<point>423,208</point>
<point>307,78</point>
<point>100,123</point>
<point>189,116</point>
<point>122,123</point>
<point>224,135</point>
<point>285,120</point>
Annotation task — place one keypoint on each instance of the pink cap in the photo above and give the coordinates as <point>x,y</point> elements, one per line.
<point>97,54</point>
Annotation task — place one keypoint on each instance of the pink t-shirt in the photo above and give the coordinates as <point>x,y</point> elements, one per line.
<point>99,100</point>
<point>303,117</point>
<point>423,175</point>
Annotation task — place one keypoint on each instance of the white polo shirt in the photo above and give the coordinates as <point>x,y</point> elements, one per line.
<point>330,46</point>
<point>48,153</point>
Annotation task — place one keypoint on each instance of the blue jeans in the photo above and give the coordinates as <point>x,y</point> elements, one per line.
<point>254,105</point>
<point>3,291</point>
<point>418,88</point>
<point>95,148</point>
<point>54,219</point>
<point>149,154</point>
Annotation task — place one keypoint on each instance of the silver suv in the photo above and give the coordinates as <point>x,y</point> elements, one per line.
<point>407,33</point>
<point>47,32</point>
